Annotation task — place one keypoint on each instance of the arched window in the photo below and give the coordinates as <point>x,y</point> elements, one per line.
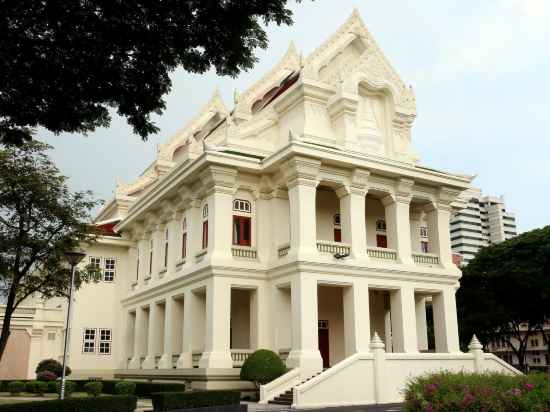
<point>240,205</point>
<point>337,228</point>
<point>381,225</point>
<point>184,238</point>
<point>205,227</point>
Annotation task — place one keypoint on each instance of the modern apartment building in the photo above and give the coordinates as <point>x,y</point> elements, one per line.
<point>483,222</point>
<point>300,220</point>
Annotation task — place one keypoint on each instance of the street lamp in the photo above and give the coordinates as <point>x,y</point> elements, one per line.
<point>74,258</point>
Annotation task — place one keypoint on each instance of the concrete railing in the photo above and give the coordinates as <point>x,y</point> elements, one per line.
<point>244,252</point>
<point>425,258</point>
<point>325,246</point>
<point>281,384</point>
<point>283,249</point>
<point>382,253</point>
<point>238,356</point>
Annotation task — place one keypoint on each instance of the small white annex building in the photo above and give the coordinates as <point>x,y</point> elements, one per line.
<point>301,221</point>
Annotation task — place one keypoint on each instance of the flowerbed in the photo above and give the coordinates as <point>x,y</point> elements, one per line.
<point>450,392</point>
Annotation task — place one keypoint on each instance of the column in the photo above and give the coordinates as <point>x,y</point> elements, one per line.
<point>190,313</point>
<point>218,314</point>
<point>265,245</point>
<point>220,183</point>
<point>260,330</point>
<point>158,249</point>
<point>135,362</point>
<point>397,219</point>
<point>421,324</point>
<point>445,321</point>
<point>129,335</point>
<point>438,219</point>
<point>301,176</point>
<point>194,229</point>
<point>403,318</point>
<point>166,358</point>
<point>174,241</point>
<point>415,217</point>
<point>149,361</point>
<point>143,255</point>
<point>352,214</point>
<point>356,317</point>
<point>305,345</point>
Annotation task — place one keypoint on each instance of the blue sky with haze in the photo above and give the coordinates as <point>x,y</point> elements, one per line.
<point>480,71</point>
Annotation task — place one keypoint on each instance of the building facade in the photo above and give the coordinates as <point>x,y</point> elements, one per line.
<point>299,221</point>
<point>484,221</point>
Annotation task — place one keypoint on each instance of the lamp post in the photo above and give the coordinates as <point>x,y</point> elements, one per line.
<point>74,258</point>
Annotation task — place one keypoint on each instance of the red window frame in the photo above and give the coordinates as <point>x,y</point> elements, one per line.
<point>205,234</point>
<point>337,234</point>
<point>382,241</point>
<point>184,245</point>
<point>244,229</point>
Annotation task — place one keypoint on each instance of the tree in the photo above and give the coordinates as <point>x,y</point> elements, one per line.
<point>40,219</point>
<point>64,64</point>
<point>505,291</point>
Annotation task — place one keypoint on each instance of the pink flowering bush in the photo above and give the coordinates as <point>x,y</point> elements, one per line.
<point>468,392</point>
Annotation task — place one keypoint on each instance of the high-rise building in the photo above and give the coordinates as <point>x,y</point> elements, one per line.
<point>483,222</point>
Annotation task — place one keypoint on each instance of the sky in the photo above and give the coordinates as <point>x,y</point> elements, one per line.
<point>480,71</point>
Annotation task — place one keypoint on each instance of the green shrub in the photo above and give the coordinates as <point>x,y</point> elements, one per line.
<point>46,376</point>
<point>52,387</point>
<point>53,366</point>
<point>143,389</point>
<point>167,401</point>
<point>16,387</point>
<point>93,388</point>
<point>262,367</point>
<point>70,387</point>
<point>37,387</point>
<point>443,392</point>
<point>103,404</point>
<point>125,388</point>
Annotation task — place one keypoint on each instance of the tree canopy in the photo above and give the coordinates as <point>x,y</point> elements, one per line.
<point>40,219</point>
<point>505,291</point>
<point>64,64</point>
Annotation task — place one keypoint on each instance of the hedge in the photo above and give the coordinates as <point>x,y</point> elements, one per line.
<point>262,367</point>
<point>103,404</point>
<point>167,401</point>
<point>443,392</point>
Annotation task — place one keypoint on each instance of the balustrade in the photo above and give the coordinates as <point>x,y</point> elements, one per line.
<point>244,252</point>
<point>382,253</point>
<point>326,246</point>
<point>425,258</point>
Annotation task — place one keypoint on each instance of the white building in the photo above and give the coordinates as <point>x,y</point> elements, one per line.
<point>484,221</point>
<point>300,221</point>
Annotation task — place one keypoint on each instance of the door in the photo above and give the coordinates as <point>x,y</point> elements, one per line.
<point>381,241</point>
<point>324,343</point>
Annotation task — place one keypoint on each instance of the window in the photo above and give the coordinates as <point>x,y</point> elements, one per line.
<point>95,263</point>
<point>151,244</point>
<point>241,231</point>
<point>423,231</point>
<point>424,247</point>
<point>166,244</point>
<point>205,227</point>
<point>89,341</point>
<point>105,336</point>
<point>380,225</point>
<point>184,238</point>
<point>240,205</point>
<point>534,342</point>
<point>110,270</point>
<point>381,241</point>
<point>205,234</point>
<point>137,265</point>
<point>337,228</point>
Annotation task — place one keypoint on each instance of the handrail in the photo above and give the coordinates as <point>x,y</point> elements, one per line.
<point>279,385</point>
<point>382,253</point>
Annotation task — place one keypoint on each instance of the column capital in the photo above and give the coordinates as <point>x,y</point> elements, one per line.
<point>357,184</point>
<point>219,179</point>
<point>301,171</point>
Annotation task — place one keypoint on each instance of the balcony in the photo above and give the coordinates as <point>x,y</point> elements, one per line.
<point>382,253</point>
<point>325,246</point>
<point>425,259</point>
<point>238,356</point>
<point>244,252</point>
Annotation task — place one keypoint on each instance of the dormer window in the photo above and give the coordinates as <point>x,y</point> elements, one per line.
<point>240,205</point>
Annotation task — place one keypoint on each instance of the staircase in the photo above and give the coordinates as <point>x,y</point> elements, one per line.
<point>287,397</point>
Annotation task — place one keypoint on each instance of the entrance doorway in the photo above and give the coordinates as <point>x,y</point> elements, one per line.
<point>324,342</point>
